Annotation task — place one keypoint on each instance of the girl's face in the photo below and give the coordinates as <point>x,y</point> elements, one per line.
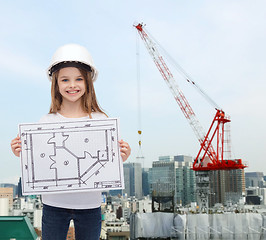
<point>71,85</point>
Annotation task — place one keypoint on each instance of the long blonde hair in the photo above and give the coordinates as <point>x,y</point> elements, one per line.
<point>89,100</point>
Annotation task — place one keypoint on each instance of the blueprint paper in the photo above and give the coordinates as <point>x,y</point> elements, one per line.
<point>71,156</point>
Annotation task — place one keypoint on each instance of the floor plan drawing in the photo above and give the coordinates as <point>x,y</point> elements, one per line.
<point>71,156</point>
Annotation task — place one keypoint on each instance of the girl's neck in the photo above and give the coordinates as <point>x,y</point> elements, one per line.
<point>72,111</point>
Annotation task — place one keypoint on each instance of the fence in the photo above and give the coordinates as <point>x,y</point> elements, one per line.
<point>198,226</point>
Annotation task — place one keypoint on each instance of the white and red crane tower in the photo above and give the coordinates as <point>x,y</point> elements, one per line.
<point>208,157</point>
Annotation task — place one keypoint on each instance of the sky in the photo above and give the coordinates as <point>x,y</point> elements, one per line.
<point>219,43</point>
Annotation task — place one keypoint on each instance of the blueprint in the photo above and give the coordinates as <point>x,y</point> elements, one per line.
<point>71,156</point>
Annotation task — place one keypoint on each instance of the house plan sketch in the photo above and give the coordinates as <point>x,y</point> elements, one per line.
<point>71,156</point>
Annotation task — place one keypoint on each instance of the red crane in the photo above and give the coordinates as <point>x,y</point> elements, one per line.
<point>208,157</point>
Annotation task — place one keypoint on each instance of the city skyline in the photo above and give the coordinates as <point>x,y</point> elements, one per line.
<point>220,44</point>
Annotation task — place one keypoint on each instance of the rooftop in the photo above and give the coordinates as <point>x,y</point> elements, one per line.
<point>17,227</point>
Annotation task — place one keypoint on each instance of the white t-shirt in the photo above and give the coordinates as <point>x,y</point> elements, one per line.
<point>78,200</point>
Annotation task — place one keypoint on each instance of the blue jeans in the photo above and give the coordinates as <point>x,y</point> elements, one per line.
<point>55,223</point>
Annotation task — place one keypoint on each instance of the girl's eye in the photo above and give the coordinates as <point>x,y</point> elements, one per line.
<point>64,80</point>
<point>79,79</point>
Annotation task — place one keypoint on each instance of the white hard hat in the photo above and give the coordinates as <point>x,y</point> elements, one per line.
<point>72,55</point>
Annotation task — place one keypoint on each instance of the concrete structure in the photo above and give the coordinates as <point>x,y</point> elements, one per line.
<point>145,182</point>
<point>19,188</point>
<point>133,179</point>
<point>114,226</point>
<point>254,179</point>
<point>71,231</point>
<point>226,186</point>
<point>123,235</point>
<point>166,158</point>
<point>183,158</point>
<point>10,185</point>
<point>30,207</point>
<point>170,176</point>
<point>263,196</point>
<point>7,192</point>
<point>256,196</point>
<point>4,206</point>
<point>144,205</point>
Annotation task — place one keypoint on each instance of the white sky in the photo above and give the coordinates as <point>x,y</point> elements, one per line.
<point>221,44</point>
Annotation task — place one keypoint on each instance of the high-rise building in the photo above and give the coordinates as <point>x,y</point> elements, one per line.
<point>133,179</point>
<point>126,180</point>
<point>183,158</point>
<point>254,179</point>
<point>173,175</point>
<point>226,186</point>
<point>145,182</point>
<point>19,188</point>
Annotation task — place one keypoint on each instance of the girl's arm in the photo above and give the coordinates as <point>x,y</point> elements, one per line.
<point>125,150</point>
<point>16,146</point>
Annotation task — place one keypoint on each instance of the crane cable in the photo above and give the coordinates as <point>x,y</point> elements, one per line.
<point>140,155</point>
<point>185,74</point>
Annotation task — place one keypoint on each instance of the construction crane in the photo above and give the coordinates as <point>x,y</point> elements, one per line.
<point>208,157</point>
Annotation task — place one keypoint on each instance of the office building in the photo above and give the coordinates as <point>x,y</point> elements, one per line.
<point>133,179</point>
<point>226,186</point>
<point>173,175</point>
<point>7,192</point>
<point>254,179</point>
<point>145,182</point>
<point>10,185</point>
<point>19,188</point>
<point>166,158</point>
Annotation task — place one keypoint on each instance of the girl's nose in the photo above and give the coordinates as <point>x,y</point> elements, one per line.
<point>72,84</point>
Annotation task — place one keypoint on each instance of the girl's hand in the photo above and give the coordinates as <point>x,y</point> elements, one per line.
<point>125,150</point>
<point>16,146</point>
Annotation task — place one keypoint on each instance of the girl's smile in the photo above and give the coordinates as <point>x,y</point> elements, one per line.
<point>73,92</point>
<point>71,84</point>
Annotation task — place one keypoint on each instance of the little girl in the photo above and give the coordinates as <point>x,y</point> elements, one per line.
<point>72,73</point>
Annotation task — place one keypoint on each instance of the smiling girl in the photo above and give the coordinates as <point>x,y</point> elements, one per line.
<point>72,73</point>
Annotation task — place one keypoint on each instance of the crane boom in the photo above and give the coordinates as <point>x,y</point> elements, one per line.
<point>212,159</point>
